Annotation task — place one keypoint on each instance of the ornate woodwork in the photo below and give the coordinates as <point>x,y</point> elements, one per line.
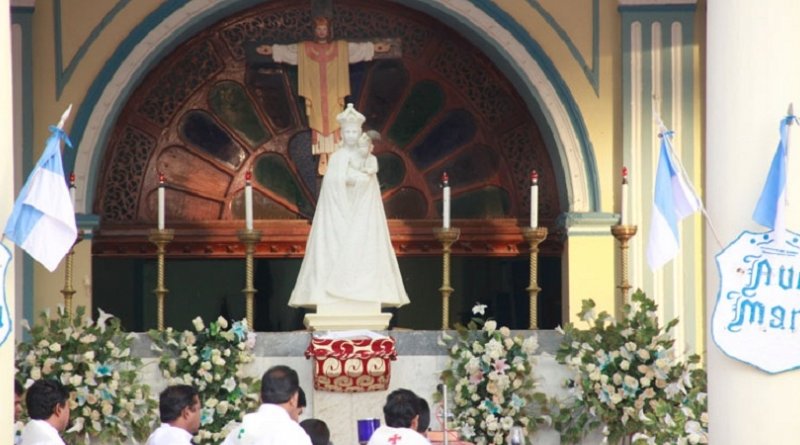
<point>214,108</point>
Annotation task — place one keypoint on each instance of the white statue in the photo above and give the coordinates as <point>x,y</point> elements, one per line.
<point>349,255</point>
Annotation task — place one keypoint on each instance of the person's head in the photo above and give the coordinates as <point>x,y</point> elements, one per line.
<point>301,405</point>
<point>47,400</point>
<point>280,386</point>
<point>401,409</point>
<point>18,392</point>
<point>351,135</point>
<point>364,145</point>
<point>179,406</point>
<point>350,122</point>
<point>322,29</point>
<point>424,412</point>
<point>317,430</point>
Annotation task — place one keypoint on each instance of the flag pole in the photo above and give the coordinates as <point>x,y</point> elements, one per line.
<point>69,291</point>
<point>789,114</point>
<point>662,129</point>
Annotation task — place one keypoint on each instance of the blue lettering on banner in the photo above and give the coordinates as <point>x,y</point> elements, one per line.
<point>756,318</point>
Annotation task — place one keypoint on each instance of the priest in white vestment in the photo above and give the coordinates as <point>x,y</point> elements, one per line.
<point>48,407</point>
<point>179,410</point>
<point>349,254</point>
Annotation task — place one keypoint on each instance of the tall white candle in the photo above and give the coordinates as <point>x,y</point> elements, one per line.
<point>623,212</point>
<point>160,201</point>
<point>534,199</point>
<point>445,201</point>
<point>248,201</point>
<point>72,189</point>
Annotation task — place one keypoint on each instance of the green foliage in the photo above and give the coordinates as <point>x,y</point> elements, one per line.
<point>93,360</point>
<point>491,382</point>
<point>211,359</point>
<point>628,381</point>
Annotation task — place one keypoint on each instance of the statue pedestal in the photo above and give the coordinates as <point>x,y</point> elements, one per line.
<point>348,315</point>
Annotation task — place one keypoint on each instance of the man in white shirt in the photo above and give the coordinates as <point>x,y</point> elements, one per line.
<point>401,414</point>
<point>272,424</point>
<point>179,408</point>
<point>48,408</point>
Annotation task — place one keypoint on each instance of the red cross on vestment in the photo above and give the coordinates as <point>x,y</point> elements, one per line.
<point>394,439</point>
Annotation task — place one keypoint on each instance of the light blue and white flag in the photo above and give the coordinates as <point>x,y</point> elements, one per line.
<point>673,200</point>
<point>43,220</point>
<point>771,205</point>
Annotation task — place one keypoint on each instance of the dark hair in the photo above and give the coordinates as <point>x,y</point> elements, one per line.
<point>424,412</point>
<point>174,399</point>
<point>18,388</point>
<point>43,397</point>
<point>279,384</point>
<point>317,430</point>
<point>301,398</point>
<point>401,408</point>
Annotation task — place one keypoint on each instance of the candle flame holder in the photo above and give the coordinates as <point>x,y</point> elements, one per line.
<point>623,233</point>
<point>249,238</point>
<point>534,236</point>
<point>161,238</point>
<point>68,291</point>
<point>447,237</point>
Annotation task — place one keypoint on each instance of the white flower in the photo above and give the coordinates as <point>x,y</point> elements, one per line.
<point>490,326</point>
<point>88,338</point>
<point>229,384</point>
<point>189,338</point>
<point>55,347</point>
<point>88,355</point>
<point>198,324</point>
<point>222,322</point>
<point>251,340</point>
<point>77,425</point>
<point>479,309</point>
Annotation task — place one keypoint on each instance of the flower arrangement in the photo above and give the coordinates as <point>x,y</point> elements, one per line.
<point>490,374</point>
<point>93,360</point>
<point>629,381</point>
<point>211,359</point>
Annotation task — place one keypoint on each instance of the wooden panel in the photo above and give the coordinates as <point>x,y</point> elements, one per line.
<point>184,168</point>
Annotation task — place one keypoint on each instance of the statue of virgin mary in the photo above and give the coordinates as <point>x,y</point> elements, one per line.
<point>349,256</point>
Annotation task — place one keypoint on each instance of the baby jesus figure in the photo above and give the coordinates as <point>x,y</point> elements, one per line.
<point>362,163</point>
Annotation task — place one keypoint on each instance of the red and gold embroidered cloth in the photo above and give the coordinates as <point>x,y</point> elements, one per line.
<point>352,365</point>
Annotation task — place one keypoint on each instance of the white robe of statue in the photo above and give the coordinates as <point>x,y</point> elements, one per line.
<point>349,254</point>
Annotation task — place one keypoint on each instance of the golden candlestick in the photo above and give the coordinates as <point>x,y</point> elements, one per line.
<point>249,238</point>
<point>68,290</point>
<point>534,236</point>
<point>447,237</point>
<point>624,233</point>
<point>161,238</point>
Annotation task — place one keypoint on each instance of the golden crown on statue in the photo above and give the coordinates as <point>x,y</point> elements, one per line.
<point>350,117</point>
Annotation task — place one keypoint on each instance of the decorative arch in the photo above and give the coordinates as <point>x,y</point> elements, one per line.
<point>539,84</point>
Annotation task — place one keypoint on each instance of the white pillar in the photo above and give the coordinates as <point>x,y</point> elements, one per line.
<point>6,203</point>
<point>752,75</point>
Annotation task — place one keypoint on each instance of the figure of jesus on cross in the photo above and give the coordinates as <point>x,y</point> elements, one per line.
<point>324,79</point>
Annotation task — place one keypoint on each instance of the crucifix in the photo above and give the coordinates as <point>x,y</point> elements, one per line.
<point>323,66</point>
